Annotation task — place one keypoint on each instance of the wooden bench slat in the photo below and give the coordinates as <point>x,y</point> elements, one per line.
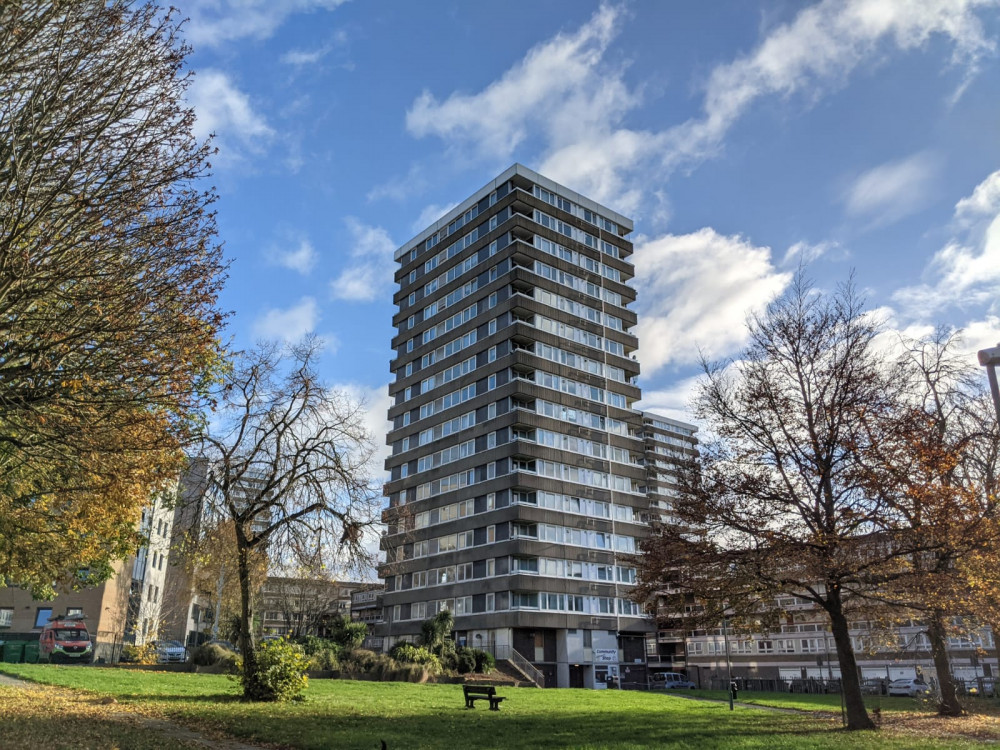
<point>487,693</point>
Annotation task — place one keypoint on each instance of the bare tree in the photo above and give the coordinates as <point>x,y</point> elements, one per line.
<point>290,458</point>
<point>930,463</point>
<point>776,507</point>
<point>109,276</point>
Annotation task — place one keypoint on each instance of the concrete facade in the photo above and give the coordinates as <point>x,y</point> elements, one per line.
<point>518,478</point>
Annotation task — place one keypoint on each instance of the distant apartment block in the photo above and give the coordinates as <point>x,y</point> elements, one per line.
<point>126,609</point>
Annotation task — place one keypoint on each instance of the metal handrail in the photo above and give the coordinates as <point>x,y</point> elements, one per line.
<point>507,653</point>
<point>529,669</point>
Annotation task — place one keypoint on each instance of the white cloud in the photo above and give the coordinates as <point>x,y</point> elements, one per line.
<point>966,271</point>
<point>984,201</point>
<point>215,22</point>
<point>980,334</point>
<point>290,324</point>
<point>566,92</point>
<point>805,252</point>
<point>694,292</point>
<point>892,190</point>
<point>402,187</point>
<point>301,258</point>
<point>674,401</point>
<point>303,57</point>
<point>221,108</point>
<point>429,215</point>
<point>820,48</point>
<point>375,402</point>
<point>552,75</point>
<point>371,272</point>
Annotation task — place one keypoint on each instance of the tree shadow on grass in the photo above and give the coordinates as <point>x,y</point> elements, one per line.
<point>312,727</point>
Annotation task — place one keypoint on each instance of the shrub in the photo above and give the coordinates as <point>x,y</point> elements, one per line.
<point>407,653</point>
<point>361,660</point>
<point>324,660</point>
<point>214,655</point>
<point>465,661</point>
<point>282,669</point>
<point>313,645</point>
<point>485,663</point>
<point>348,634</point>
<point>144,654</point>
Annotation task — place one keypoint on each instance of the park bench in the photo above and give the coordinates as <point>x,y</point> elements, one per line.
<point>475,693</point>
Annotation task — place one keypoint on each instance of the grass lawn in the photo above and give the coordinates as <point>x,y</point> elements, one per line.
<point>344,714</point>
<point>831,702</point>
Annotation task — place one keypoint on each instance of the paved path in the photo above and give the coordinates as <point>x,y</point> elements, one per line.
<point>168,729</point>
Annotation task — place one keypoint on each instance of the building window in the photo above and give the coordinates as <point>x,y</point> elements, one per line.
<point>413,276</point>
<point>491,567</point>
<point>491,411</point>
<point>409,368</point>
<point>491,534</point>
<point>490,602</point>
<point>491,440</point>
<point>493,326</point>
<point>6,617</point>
<point>409,344</point>
<point>491,470</point>
<point>492,354</point>
<point>492,301</point>
<point>42,616</point>
<point>412,299</point>
<point>491,500</point>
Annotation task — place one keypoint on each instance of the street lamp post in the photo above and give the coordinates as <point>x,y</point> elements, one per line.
<point>729,663</point>
<point>990,359</point>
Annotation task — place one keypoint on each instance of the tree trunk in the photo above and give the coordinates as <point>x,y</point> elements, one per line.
<point>854,701</point>
<point>995,631</point>
<point>252,688</point>
<point>949,705</point>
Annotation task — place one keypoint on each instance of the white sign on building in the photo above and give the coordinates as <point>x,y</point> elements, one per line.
<point>605,656</point>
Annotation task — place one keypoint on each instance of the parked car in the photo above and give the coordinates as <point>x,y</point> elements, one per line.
<point>912,688</point>
<point>671,681</point>
<point>981,687</point>
<point>170,652</point>
<point>65,639</point>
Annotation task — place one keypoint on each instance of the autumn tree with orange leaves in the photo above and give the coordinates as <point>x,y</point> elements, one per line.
<point>930,463</point>
<point>109,276</point>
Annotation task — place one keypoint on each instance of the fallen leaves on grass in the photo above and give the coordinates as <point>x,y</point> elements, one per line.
<point>970,727</point>
<point>55,718</point>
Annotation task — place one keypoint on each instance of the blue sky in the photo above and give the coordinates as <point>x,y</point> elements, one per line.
<point>741,137</point>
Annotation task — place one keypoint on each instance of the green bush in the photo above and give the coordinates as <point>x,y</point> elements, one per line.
<point>485,663</point>
<point>362,661</point>
<point>313,645</point>
<point>407,653</point>
<point>465,660</point>
<point>282,667</point>
<point>347,634</point>
<point>324,660</point>
<point>214,655</point>
<point>145,654</point>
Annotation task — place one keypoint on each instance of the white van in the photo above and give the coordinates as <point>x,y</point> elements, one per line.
<point>671,681</point>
